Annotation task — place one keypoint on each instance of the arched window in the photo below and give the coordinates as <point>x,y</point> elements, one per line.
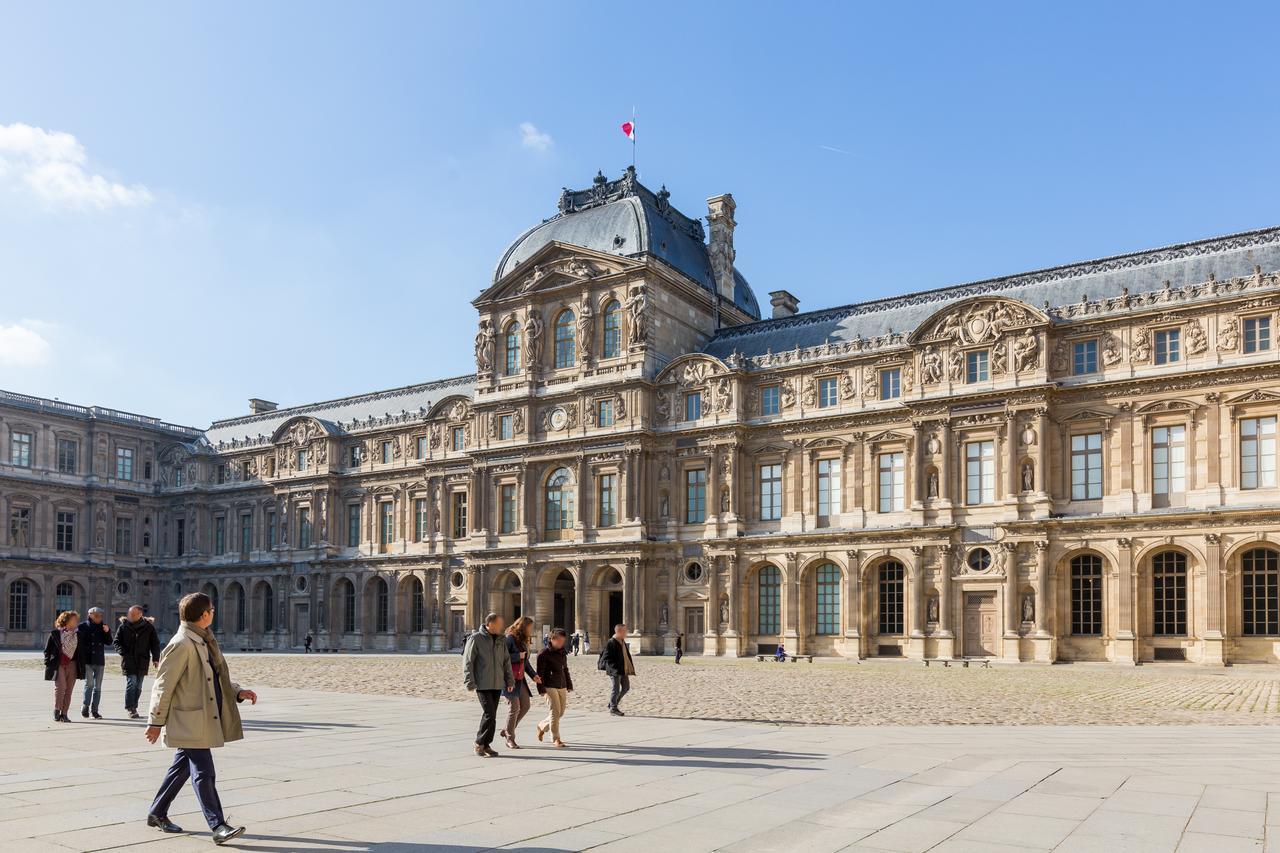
<point>511,351</point>
<point>64,598</point>
<point>559,503</point>
<point>566,340</point>
<point>242,608</point>
<point>348,592</point>
<point>1086,595</point>
<point>268,608</point>
<point>769,601</point>
<point>1169,594</point>
<point>612,330</point>
<point>828,599</point>
<point>890,582</point>
<point>417,606</point>
<point>19,606</point>
<point>381,605</point>
<point>1260,600</point>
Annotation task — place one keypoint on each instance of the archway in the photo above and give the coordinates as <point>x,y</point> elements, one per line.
<point>564,601</point>
<point>608,600</point>
<point>505,596</point>
<point>212,591</point>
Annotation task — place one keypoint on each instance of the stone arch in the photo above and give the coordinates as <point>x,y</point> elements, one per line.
<point>506,594</point>
<point>890,606</point>
<point>1145,605</point>
<point>34,607</point>
<point>558,589</point>
<point>761,597</point>
<point>236,619</point>
<point>262,616</point>
<point>1235,621</point>
<point>605,603</point>
<point>344,610</point>
<point>1063,579</point>
<point>412,605</point>
<point>377,605</point>
<point>220,619</point>
<point>823,621</point>
<point>999,314</point>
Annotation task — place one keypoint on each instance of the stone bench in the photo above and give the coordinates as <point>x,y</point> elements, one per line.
<point>794,658</point>
<point>982,662</point>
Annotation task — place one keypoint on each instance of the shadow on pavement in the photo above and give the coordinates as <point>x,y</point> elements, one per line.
<point>280,843</point>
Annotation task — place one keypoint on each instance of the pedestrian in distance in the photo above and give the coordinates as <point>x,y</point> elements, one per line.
<point>780,654</point>
<point>194,702</point>
<point>519,638</point>
<point>139,647</point>
<point>63,664</point>
<point>486,669</point>
<point>679,647</point>
<point>586,642</point>
<point>577,643</point>
<point>555,683</point>
<point>616,661</point>
<point>307,644</point>
<point>94,637</point>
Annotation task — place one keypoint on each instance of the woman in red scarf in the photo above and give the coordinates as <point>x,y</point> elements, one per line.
<point>62,665</point>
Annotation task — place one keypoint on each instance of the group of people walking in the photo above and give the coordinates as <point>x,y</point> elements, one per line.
<point>77,651</point>
<point>497,663</point>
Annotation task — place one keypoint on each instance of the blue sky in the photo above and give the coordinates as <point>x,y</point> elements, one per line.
<point>298,200</point>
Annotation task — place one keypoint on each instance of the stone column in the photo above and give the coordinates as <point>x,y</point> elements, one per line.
<point>790,617</point>
<point>1011,457</point>
<point>711,636</point>
<point>732,648</point>
<point>1126,645</point>
<point>1215,595</point>
<point>945,482</point>
<point>1045,643</point>
<point>1012,607</point>
<point>439,631</point>
<point>1213,442</point>
<point>853,605</point>
<point>913,607</point>
<point>944,632</point>
<point>580,599</point>
<point>1042,458</point>
<point>915,468</point>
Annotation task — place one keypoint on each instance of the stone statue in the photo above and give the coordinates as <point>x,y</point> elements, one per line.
<point>933,484</point>
<point>930,366</point>
<point>586,330</point>
<point>486,342</point>
<point>532,340</point>
<point>1028,477</point>
<point>1197,341</point>
<point>724,500</point>
<point>1028,608</point>
<point>664,506</point>
<point>787,395</point>
<point>1026,352</point>
<point>724,395</point>
<point>662,613</point>
<point>932,615</point>
<point>999,358</point>
<point>1229,335</point>
<point>1060,358</point>
<point>955,366</point>
<point>1140,351</point>
<point>637,327</point>
<point>662,406</point>
<point>724,611</point>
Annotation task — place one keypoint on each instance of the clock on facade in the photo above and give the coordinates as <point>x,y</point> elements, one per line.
<point>559,418</point>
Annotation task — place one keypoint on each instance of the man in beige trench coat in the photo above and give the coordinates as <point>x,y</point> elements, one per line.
<point>187,701</point>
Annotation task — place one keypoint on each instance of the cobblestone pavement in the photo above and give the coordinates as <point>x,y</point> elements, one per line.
<point>841,693</point>
<point>353,773</point>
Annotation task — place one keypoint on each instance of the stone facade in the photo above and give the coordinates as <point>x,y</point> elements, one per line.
<point>1072,464</point>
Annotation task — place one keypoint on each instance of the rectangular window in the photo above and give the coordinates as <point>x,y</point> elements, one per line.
<point>1258,453</point>
<point>1257,334</point>
<point>507,500</point>
<point>66,456</point>
<point>1086,467</point>
<point>220,474</point>
<point>458,438</point>
<point>20,526</point>
<point>420,520</point>
<point>693,405</point>
<point>388,453</point>
<point>386,525</point>
<point>304,528</point>
<point>506,430</point>
<point>20,449</point>
<point>353,456</point>
<point>124,536</point>
<point>828,487</point>
<point>770,492</point>
<point>891,383</point>
<point>604,413</point>
<point>827,598</point>
<point>1084,357</point>
<point>608,506</point>
<point>769,398</point>
<point>124,463</point>
<point>421,447</point>
<point>828,396</point>
<point>459,515</point>
<point>695,490</point>
<point>246,533</point>
<point>180,534</point>
<point>219,535</point>
<point>302,460</point>
<point>976,366</point>
<point>892,482</point>
<point>353,525</point>
<point>271,530</point>
<point>66,531</point>
<point>1168,346</point>
<point>980,472</point>
<point>1168,464</point>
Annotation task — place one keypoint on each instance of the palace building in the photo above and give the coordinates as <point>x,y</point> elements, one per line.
<point>1076,463</point>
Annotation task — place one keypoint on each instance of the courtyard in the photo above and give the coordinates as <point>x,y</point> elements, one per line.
<point>371,753</point>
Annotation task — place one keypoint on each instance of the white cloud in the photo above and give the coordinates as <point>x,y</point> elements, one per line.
<point>22,345</point>
<point>531,137</point>
<point>52,166</point>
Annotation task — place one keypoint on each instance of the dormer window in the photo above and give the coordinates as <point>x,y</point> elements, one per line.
<point>977,366</point>
<point>693,405</point>
<point>1168,346</point>
<point>1257,334</point>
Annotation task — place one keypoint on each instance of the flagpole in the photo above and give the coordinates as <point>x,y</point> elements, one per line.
<point>633,137</point>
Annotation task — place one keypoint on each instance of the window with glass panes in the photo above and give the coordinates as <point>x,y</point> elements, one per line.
<point>180,535</point>
<point>19,606</point>
<point>419,519</point>
<point>304,528</point>
<point>353,456</point>
<point>769,400</point>
<point>1086,466</point>
<point>511,350</point>
<point>695,496</point>
<point>124,463</point>
<point>980,472</point>
<point>302,460</point>
<point>124,536</point>
<point>65,531</point>
<point>64,597</point>
<point>246,533</point>
<point>559,509</point>
<point>348,606</point>
<point>242,608</point>
<point>382,608</point>
<point>977,366</point>
<point>1168,464</point>
<point>828,487</point>
<point>459,515</point>
<point>458,438</point>
<point>388,453</point>
<point>565,340</point>
<point>386,524</point>
<point>20,449</point>
<point>827,394</point>
<point>770,492</point>
<point>604,413</point>
<point>693,405</point>
<point>66,456</point>
<point>890,594</point>
<point>892,482</point>
<point>891,383</point>
<point>1259,596</point>
<point>271,530</point>
<point>1257,334</point>
<point>769,601</point>
<point>20,526</point>
<point>612,343</point>
<point>1168,347</point>
<point>506,429</point>
<point>608,515</point>
<point>1084,357</point>
<point>1169,594</point>
<point>1258,453</point>
<point>1086,595</point>
<point>507,503</point>
<point>417,606</point>
<point>827,600</point>
<point>268,608</point>
<point>420,447</point>
<point>353,525</point>
<point>219,534</point>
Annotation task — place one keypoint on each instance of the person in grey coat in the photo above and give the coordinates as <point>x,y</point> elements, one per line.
<point>486,669</point>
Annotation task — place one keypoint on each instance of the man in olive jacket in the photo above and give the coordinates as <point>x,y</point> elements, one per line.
<point>191,701</point>
<point>486,669</point>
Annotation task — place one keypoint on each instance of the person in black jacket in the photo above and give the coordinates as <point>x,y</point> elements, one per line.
<point>617,662</point>
<point>95,635</point>
<point>139,647</point>
<point>555,683</point>
<point>63,664</point>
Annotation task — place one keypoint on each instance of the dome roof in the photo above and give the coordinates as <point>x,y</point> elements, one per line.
<point>625,218</point>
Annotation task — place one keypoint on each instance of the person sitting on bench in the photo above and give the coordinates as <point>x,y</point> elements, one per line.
<point>781,654</point>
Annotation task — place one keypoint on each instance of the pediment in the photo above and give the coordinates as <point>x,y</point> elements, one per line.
<point>770,449</point>
<point>1089,415</point>
<point>301,431</point>
<point>887,436</point>
<point>979,320</point>
<point>1166,406</point>
<point>1255,396</point>
<point>554,265</point>
<point>455,407</point>
<point>693,369</point>
<point>819,443</point>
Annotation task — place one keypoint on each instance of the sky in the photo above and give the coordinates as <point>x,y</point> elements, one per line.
<point>202,203</point>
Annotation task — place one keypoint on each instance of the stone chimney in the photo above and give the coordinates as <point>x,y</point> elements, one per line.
<point>260,407</point>
<point>784,303</point>
<point>720,248</point>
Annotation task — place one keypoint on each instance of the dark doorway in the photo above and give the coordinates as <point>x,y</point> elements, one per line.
<point>615,610</point>
<point>562,607</point>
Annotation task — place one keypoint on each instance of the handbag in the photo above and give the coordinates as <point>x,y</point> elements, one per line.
<point>517,671</point>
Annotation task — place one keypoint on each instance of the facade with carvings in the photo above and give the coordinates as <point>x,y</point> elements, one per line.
<point>1077,463</point>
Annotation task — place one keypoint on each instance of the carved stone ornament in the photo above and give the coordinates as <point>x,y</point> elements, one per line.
<point>586,330</point>
<point>533,329</point>
<point>908,376</point>
<point>869,383</point>
<point>1140,351</point>
<point>303,432</point>
<point>637,318</point>
<point>662,407</point>
<point>1197,340</point>
<point>695,373</point>
<point>787,394</point>
<point>1060,358</point>
<point>846,386</point>
<point>955,366</point>
<point>486,344</point>
<point>1111,355</point>
<point>980,323</point>
<point>724,395</point>
<point>999,358</point>
<point>930,366</point>
<point>810,393</point>
<point>1229,335</point>
<point>458,411</point>
<point>1026,352</point>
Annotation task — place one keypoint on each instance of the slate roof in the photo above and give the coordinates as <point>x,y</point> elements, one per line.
<point>1226,257</point>
<point>627,219</point>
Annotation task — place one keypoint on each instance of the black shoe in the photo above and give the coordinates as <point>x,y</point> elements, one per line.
<point>84,712</point>
<point>162,823</point>
<point>97,716</point>
<point>57,715</point>
<point>64,719</point>
<point>133,714</point>
<point>225,833</point>
<point>616,712</point>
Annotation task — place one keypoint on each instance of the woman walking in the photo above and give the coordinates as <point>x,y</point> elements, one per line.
<point>62,665</point>
<point>519,638</point>
<point>555,683</point>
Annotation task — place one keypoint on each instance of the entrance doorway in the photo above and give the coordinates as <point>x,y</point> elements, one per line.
<point>562,603</point>
<point>980,616</point>
<point>695,625</point>
<point>301,623</point>
<point>457,629</point>
<point>615,612</point>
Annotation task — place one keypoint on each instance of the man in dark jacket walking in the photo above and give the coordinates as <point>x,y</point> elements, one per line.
<point>139,647</point>
<point>94,637</point>
<point>486,669</point>
<point>617,662</point>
